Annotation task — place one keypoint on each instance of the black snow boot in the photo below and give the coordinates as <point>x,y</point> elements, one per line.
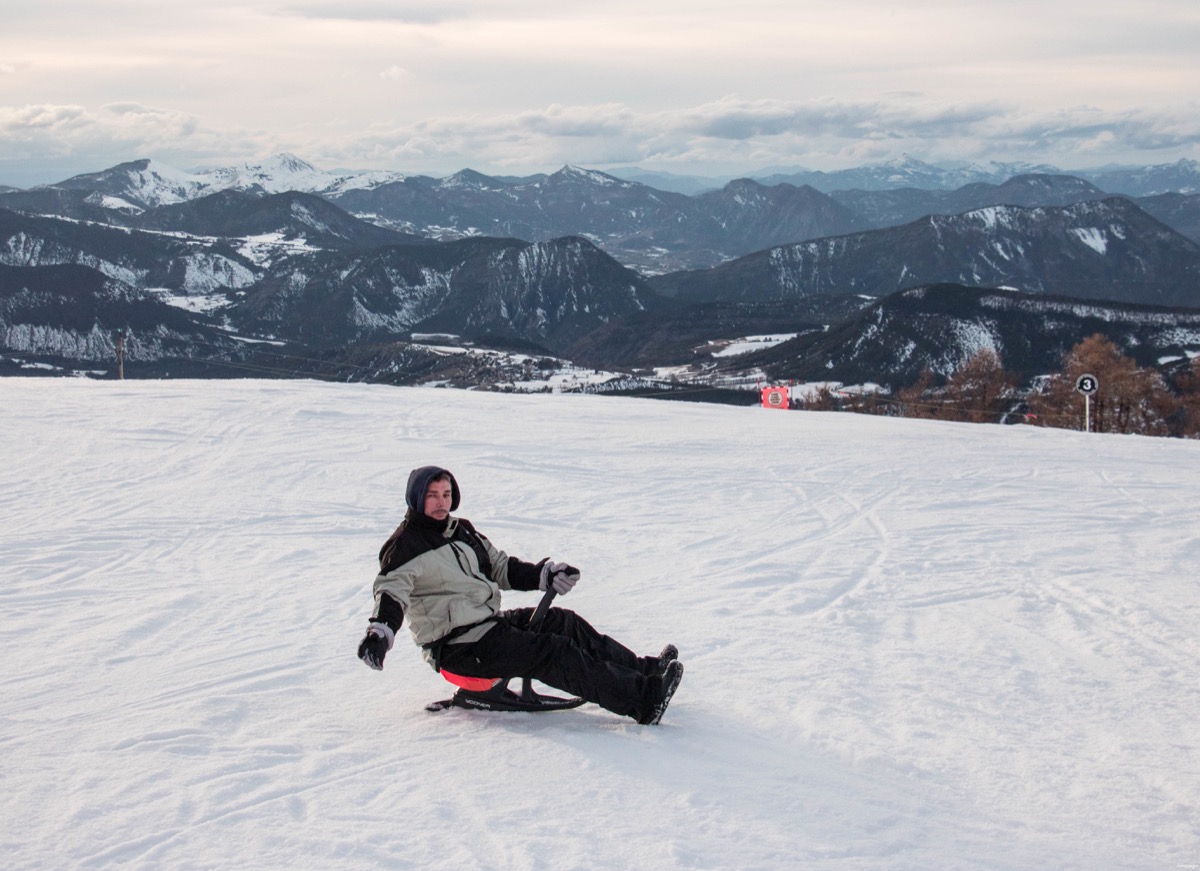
<point>656,666</point>
<point>670,682</point>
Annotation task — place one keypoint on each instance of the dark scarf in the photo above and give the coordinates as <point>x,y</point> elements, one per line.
<point>418,533</point>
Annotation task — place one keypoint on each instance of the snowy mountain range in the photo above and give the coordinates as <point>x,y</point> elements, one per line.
<point>654,231</point>
<point>270,251</point>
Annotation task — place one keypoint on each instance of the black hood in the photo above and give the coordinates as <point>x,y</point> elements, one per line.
<point>418,484</point>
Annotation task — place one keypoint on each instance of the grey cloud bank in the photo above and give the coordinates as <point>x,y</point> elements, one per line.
<point>528,86</point>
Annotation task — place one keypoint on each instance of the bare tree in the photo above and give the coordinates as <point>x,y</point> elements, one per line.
<point>822,399</point>
<point>1129,399</point>
<point>1189,401</point>
<point>980,389</point>
<point>918,399</point>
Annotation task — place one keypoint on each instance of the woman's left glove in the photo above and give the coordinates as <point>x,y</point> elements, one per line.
<point>560,576</point>
<point>375,645</point>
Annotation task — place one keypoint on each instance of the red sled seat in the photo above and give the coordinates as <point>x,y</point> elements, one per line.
<point>471,684</point>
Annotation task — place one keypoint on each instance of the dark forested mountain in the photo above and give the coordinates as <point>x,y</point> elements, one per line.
<point>939,327</point>
<point>536,296</point>
<point>227,213</point>
<point>139,259</point>
<point>72,312</point>
<point>292,215</point>
<point>1180,212</point>
<point>1098,250</point>
<point>877,209</point>
<point>545,292</point>
<point>676,334</point>
<point>549,293</point>
<point>571,201</point>
<point>74,203</point>
<point>745,216</point>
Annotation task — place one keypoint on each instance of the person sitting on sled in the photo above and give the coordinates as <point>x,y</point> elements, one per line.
<point>446,578</point>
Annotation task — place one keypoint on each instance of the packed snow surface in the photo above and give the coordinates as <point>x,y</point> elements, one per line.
<point>909,644</point>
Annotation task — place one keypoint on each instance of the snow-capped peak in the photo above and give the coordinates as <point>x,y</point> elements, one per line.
<point>907,162</point>
<point>593,176</point>
<point>144,183</point>
<point>277,174</point>
<point>285,172</point>
<point>150,183</point>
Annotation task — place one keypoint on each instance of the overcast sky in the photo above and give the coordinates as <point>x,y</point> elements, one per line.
<point>519,86</point>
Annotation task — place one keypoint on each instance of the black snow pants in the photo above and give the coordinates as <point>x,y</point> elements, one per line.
<point>565,653</point>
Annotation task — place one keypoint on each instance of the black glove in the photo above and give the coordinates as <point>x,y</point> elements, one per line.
<point>558,575</point>
<point>375,645</point>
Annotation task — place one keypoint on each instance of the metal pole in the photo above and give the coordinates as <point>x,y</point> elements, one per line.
<point>1087,385</point>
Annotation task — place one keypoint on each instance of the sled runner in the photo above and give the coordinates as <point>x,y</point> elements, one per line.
<point>493,694</point>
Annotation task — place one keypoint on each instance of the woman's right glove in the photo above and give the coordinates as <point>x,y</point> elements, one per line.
<point>375,645</point>
<point>560,576</point>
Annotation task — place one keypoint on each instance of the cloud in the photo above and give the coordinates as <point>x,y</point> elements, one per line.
<point>727,136</point>
<point>129,129</point>
<point>573,122</point>
<point>735,119</point>
<point>23,121</point>
<point>743,133</point>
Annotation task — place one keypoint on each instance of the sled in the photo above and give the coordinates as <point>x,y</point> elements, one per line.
<point>493,694</point>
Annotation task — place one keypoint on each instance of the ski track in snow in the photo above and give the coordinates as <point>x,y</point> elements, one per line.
<point>909,644</point>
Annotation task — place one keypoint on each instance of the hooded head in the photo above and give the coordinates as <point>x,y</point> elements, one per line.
<point>418,484</point>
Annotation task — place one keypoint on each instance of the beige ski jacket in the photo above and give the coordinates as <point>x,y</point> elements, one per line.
<point>447,578</point>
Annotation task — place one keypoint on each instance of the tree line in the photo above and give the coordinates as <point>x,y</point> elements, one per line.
<point>1129,398</point>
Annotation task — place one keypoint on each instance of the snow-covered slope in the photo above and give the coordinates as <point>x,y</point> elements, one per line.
<point>909,645</point>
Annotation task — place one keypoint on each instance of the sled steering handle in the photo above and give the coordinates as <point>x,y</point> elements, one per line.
<point>539,613</point>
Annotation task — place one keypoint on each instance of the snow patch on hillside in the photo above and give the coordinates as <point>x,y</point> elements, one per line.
<point>265,248</point>
<point>749,344</point>
<point>1093,237</point>
<point>116,204</point>
<point>194,303</point>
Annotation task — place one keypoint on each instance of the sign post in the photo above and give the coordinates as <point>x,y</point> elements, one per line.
<point>1087,385</point>
<point>121,354</point>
